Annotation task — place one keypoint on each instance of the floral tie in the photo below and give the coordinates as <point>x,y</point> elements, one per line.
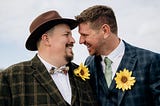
<point>63,69</point>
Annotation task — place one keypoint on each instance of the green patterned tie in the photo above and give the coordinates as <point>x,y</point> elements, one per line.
<point>108,70</point>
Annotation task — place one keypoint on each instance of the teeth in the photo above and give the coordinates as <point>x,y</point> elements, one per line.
<point>70,47</point>
<point>88,46</point>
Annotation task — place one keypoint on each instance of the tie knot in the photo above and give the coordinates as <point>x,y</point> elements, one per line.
<point>63,69</point>
<point>107,61</point>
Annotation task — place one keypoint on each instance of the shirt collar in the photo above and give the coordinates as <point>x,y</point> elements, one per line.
<point>119,51</point>
<point>46,64</point>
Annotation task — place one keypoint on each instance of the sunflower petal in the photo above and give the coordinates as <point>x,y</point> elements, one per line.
<point>124,80</point>
<point>82,71</point>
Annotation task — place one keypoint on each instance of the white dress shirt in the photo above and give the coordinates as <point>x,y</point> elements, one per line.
<point>116,57</point>
<point>61,80</point>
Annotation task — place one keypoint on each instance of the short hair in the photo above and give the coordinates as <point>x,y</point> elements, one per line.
<point>98,15</point>
<point>48,31</point>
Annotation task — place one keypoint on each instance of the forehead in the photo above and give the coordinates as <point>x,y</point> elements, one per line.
<point>61,28</point>
<point>84,27</point>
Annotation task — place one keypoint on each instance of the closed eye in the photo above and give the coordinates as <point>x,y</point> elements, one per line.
<point>84,35</point>
<point>67,34</point>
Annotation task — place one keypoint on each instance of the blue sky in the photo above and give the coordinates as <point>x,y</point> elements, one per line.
<point>138,22</point>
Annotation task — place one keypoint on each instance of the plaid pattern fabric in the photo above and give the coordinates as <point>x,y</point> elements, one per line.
<point>145,67</point>
<point>29,84</point>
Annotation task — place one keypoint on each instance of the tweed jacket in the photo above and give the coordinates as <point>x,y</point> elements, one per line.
<point>29,84</point>
<point>145,67</point>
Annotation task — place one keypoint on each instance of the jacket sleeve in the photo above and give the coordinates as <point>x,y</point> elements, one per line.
<point>155,79</point>
<point>5,91</point>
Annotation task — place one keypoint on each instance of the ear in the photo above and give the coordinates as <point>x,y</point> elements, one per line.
<point>106,30</point>
<point>45,39</point>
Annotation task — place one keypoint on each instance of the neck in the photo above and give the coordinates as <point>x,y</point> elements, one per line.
<point>53,60</point>
<point>111,44</point>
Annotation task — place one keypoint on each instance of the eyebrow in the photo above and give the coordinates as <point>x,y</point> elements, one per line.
<point>69,32</point>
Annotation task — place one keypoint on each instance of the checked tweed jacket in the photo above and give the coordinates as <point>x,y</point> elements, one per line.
<point>145,67</point>
<point>29,84</point>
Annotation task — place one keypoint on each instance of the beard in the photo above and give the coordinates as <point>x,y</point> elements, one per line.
<point>68,57</point>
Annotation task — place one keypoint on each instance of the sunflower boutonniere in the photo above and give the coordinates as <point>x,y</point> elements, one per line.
<point>124,80</point>
<point>82,71</point>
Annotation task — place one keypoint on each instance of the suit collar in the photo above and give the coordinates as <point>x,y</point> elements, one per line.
<point>73,81</point>
<point>100,76</point>
<point>43,77</point>
<point>128,61</point>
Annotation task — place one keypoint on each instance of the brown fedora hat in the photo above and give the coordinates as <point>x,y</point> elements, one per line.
<point>43,23</point>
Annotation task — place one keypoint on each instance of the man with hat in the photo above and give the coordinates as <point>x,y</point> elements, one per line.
<point>47,79</point>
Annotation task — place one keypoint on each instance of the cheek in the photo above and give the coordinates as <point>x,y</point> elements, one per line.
<point>59,41</point>
<point>97,42</point>
<point>58,44</point>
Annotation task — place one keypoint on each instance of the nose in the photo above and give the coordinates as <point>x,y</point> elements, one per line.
<point>72,39</point>
<point>81,40</point>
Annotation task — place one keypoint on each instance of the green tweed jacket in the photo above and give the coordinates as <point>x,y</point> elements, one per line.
<point>29,84</point>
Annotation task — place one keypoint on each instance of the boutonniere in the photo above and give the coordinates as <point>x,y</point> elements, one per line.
<point>82,71</point>
<point>124,80</point>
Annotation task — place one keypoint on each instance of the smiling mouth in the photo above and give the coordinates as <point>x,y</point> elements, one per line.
<point>88,46</point>
<point>69,46</point>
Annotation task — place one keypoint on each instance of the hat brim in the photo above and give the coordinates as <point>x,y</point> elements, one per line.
<point>31,43</point>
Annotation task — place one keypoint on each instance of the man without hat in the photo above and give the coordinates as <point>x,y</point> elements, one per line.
<point>47,79</point>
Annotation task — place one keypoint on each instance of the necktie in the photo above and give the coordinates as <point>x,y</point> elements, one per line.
<point>63,69</point>
<point>108,70</point>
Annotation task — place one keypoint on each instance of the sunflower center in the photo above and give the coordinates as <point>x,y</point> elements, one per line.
<point>82,72</point>
<point>124,79</point>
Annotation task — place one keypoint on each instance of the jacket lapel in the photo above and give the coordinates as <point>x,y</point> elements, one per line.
<point>74,91</point>
<point>43,77</point>
<point>100,76</point>
<point>72,82</point>
<point>128,61</point>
